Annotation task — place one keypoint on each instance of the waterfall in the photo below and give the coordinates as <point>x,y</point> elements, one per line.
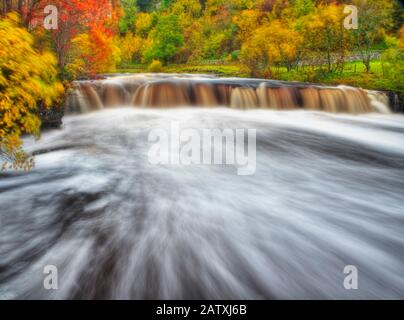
<point>244,98</point>
<point>278,97</point>
<point>205,95</point>
<point>326,194</point>
<point>379,101</point>
<point>167,91</point>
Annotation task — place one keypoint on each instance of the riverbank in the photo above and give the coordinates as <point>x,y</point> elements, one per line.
<point>354,74</point>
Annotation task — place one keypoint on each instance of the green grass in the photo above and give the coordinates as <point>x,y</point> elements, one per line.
<point>228,70</point>
<point>223,70</point>
<point>132,68</point>
<point>354,74</point>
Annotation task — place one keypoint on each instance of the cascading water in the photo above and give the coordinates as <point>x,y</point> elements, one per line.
<point>186,90</point>
<point>327,193</point>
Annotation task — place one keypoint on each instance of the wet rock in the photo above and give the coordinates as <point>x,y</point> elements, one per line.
<point>51,118</point>
<point>396,101</point>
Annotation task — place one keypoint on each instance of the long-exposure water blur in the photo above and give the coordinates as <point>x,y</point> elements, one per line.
<point>327,193</point>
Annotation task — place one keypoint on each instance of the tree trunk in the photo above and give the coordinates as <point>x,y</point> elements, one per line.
<point>367,64</point>
<point>329,61</point>
<point>366,57</point>
<point>9,5</point>
<point>4,6</point>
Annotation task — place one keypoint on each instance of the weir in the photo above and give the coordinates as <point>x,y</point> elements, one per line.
<point>168,91</point>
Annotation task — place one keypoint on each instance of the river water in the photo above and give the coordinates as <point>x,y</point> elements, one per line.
<point>327,193</point>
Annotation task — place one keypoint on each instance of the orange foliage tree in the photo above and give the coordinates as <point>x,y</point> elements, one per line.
<point>96,20</point>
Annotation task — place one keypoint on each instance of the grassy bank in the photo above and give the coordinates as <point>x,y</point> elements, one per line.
<point>354,74</point>
<point>223,70</point>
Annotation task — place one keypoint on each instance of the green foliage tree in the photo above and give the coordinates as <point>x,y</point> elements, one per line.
<point>392,61</point>
<point>167,39</point>
<point>127,21</point>
<point>304,7</point>
<point>306,36</point>
<point>375,17</point>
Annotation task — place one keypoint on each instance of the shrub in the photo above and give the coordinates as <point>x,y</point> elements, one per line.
<point>155,66</point>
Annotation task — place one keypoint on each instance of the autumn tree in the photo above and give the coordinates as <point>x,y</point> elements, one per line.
<point>324,32</point>
<point>131,48</point>
<point>186,10</point>
<point>28,79</point>
<point>96,18</point>
<point>144,23</point>
<point>91,53</point>
<point>273,44</point>
<point>247,21</point>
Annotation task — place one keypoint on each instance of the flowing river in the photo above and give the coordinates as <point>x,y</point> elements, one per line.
<point>327,193</point>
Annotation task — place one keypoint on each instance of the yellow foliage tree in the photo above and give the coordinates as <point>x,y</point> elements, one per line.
<point>274,43</point>
<point>194,37</point>
<point>187,11</point>
<point>324,32</point>
<point>143,24</point>
<point>402,38</point>
<point>246,21</point>
<point>132,47</point>
<point>28,78</point>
